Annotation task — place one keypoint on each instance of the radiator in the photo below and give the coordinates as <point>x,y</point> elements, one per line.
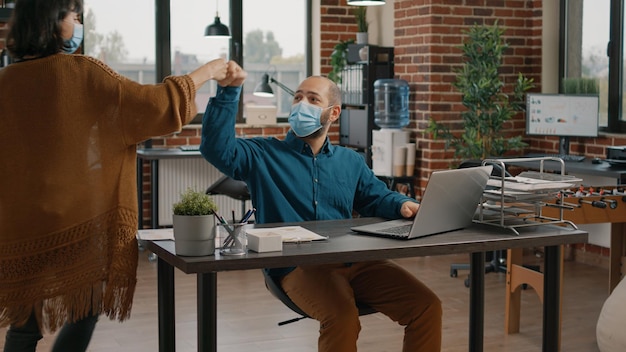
<point>176,175</point>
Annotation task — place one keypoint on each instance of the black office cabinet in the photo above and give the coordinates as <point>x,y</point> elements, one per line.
<point>366,64</point>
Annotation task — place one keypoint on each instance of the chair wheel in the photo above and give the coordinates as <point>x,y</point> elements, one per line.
<point>466,282</point>
<point>454,273</point>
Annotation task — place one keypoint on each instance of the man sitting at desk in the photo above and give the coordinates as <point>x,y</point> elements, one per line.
<point>305,177</point>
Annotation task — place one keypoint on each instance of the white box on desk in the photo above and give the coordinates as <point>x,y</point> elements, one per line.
<point>265,242</point>
<point>383,143</point>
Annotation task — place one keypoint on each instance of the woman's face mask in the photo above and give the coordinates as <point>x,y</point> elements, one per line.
<point>305,119</point>
<point>71,45</point>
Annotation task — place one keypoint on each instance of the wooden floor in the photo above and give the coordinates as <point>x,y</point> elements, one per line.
<point>247,314</point>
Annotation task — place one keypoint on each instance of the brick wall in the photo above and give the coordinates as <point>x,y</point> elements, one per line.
<point>427,34</point>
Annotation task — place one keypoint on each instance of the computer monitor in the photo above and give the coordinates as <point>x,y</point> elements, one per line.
<point>562,115</point>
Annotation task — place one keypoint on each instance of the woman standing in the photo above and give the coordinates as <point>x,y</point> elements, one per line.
<point>68,206</point>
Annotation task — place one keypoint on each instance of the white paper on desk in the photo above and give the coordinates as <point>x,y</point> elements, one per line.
<point>156,234</point>
<point>289,233</point>
<point>527,187</point>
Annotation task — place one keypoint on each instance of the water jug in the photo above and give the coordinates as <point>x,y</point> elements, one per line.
<point>391,103</point>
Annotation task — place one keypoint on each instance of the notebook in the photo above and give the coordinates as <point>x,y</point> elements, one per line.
<point>260,114</point>
<point>449,203</point>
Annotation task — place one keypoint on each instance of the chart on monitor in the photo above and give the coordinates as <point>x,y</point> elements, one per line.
<point>562,115</point>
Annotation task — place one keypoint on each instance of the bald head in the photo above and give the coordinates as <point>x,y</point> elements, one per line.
<point>322,86</point>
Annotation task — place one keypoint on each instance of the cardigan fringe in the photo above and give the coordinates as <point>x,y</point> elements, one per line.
<point>79,284</point>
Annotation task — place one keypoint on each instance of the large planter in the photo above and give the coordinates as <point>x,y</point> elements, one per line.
<point>194,235</point>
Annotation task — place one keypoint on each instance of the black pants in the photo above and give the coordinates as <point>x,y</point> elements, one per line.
<point>73,337</point>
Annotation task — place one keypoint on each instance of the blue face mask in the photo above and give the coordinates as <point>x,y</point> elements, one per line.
<point>71,45</point>
<point>305,119</point>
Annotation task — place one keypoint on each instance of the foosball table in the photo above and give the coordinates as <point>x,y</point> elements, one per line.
<point>593,205</point>
<point>581,205</point>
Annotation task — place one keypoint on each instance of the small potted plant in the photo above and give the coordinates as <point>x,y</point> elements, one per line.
<point>338,60</point>
<point>360,15</point>
<point>194,224</point>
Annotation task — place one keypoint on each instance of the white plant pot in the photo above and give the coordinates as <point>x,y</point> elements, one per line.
<point>361,38</point>
<point>194,235</point>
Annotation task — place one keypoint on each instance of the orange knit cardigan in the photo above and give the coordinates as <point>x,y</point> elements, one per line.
<point>69,126</point>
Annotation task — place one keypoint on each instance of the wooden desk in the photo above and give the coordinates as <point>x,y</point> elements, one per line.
<point>154,155</point>
<point>346,246</point>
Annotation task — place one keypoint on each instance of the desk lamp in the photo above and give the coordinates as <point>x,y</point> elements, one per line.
<point>263,89</point>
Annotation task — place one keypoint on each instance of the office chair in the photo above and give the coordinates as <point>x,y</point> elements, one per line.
<point>239,190</point>
<point>496,260</point>
<point>232,188</point>
<point>273,285</point>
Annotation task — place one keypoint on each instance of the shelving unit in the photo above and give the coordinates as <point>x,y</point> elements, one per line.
<point>515,202</point>
<point>366,64</point>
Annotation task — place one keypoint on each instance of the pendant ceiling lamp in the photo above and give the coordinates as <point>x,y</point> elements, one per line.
<point>366,2</point>
<point>217,28</point>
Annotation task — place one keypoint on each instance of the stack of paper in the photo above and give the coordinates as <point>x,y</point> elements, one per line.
<point>295,234</point>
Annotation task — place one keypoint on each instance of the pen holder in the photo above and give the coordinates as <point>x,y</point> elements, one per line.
<point>233,238</point>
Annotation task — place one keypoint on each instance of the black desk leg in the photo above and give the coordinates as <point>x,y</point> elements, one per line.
<point>477,302</point>
<point>140,191</point>
<point>207,312</point>
<point>551,299</point>
<point>167,326</point>
<point>154,193</point>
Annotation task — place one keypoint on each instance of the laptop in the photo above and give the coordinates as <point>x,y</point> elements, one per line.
<point>260,114</point>
<point>450,202</point>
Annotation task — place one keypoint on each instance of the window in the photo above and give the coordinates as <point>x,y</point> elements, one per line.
<point>594,49</point>
<point>275,43</point>
<point>190,48</point>
<point>586,38</point>
<point>270,42</point>
<point>118,38</point>
<point>266,41</point>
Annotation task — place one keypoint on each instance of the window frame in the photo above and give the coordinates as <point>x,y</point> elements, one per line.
<point>615,52</point>
<point>235,24</point>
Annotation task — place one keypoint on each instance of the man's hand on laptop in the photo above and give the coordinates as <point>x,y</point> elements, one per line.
<point>409,209</point>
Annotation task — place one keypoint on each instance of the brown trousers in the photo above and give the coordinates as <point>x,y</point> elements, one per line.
<point>327,293</point>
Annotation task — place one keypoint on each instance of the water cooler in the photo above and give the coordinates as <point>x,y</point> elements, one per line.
<point>391,114</point>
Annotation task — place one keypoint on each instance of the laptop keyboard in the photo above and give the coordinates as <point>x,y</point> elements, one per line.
<point>399,231</point>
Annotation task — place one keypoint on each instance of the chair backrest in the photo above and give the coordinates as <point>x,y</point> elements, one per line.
<point>230,187</point>
<point>273,285</point>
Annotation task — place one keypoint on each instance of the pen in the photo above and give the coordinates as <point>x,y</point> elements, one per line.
<point>221,219</point>
<point>248,215</point>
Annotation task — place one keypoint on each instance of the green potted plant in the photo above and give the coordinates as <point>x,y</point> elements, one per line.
<point>488,106</point>
<point>338,60</point>
<point>360,16</point>
<point>580,85</point>
<point>194,224</point>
